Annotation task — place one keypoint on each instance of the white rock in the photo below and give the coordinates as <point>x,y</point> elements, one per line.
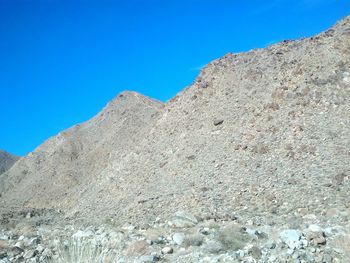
<point>3,237</point>
<point>290,251</point>
<point>179,238</point>
<point>128,227</point>
<point>19,244</point>
<point>167,250</point>
<point>291,238</point>
<point>33,241</point>
<point>240,253</point>
<point>315,228</point>
<point>252,233</point>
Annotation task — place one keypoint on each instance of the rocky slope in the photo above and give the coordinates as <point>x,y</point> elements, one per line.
<point>259,133</point>
<point>65,166</point>
<point>6,161</point>
<point>261,139</point>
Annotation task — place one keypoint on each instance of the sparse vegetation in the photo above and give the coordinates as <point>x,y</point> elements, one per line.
<point>82,251</point>
<point>232,237</point>
<point>193,240</point>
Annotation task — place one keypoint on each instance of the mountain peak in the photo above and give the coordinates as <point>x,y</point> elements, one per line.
<point>130,99</point>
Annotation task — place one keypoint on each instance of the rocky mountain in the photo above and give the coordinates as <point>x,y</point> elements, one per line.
<point>69,163</point>
<point>6,161</point>
<point>262,136</point>
<point>270,124</point>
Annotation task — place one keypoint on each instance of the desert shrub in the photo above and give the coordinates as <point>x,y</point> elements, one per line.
<point>232,237</point>
<point>193,240</point>
<point>82,251</point>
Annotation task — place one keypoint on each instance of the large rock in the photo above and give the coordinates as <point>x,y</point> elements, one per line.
<point>292,238</point>
<point>179,238</point>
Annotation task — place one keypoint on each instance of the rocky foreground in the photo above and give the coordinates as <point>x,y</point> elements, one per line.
<point>182,238</point>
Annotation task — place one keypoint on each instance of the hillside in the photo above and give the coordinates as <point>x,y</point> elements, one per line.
<point>63,167</point>
<point>285,129</point>
<point>267,130</point>
<point>263,136</point>
<point>6,161</point>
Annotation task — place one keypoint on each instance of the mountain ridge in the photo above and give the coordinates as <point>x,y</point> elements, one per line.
<point>262,127</point>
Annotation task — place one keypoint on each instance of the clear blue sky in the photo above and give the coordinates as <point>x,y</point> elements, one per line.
<point>61,61</point>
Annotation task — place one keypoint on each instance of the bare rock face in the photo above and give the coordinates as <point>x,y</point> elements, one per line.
<point>6,161</point>
<point>262,133</point>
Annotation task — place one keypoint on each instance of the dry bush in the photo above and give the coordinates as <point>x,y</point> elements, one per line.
<point>193,240</point>
<point>233,237</point>
<point>82,251</point>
